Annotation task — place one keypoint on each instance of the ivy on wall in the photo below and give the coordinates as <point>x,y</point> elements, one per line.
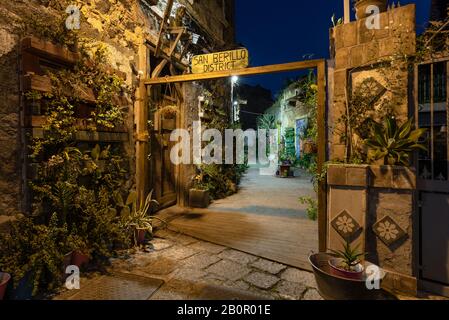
<point>75,185</point>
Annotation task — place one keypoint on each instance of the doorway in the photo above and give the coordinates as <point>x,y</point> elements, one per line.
<point>263,235</point>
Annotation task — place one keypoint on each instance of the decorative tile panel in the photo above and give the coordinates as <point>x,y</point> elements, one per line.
<point>388,230</point>
<point>345,225</point>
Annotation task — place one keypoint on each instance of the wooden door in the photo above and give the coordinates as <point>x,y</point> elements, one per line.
<point>164,177</point>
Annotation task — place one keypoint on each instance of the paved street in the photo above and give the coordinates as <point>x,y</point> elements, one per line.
<point>191,269</point>
<point>268,195</point>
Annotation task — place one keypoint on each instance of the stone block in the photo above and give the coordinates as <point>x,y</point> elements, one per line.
<point>338,37</point>
<point>398,282</point>
<point>349,34</point>
<point>237,256</point>
<point>404,178</point>
<point>353,200</point>
<point>336,175</point>
<point>356,57</point>
<point>304,278</point>
<point>341,58</point>
<point>357,176</point>
<point>386,48</point>
<point>262,280</point>
<point>394,177</point>
<point>290,290</point>
<point>340,80</point>
<point>268,266</point>
<point>381,176</point>
<point>229,270</point>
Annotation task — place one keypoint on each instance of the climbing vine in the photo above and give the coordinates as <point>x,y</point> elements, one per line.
<point>74,185</point>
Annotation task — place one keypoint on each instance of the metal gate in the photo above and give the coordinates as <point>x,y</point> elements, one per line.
<point>432,112</point>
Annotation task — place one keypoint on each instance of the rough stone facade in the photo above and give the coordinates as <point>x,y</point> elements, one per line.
<point>379,217</point>
<point>360,53</point>
<point>123,26</point>
<point>373,206</point>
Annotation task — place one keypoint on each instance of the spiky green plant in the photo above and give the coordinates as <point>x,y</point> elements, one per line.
<point>394,143</point>
<point>350,257</point>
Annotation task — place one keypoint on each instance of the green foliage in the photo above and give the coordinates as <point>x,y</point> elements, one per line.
<point>266,121</point>
<point>394,143</point>
<point>138,215</point>
<point>220,180</point>
<point>312,209</point>
<point>73,203</point>
<point>349,255</point>
<point>34,250</point>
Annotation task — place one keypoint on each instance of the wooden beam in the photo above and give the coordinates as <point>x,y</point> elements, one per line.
<point>276,68</point>
<point>164,21</point>
<point>141,121</point>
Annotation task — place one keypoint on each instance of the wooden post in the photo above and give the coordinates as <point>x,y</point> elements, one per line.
<point>322,154</point>
<point>347,10</point>
<point>141,121</point>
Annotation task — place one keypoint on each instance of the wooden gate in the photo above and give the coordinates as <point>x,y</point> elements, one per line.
<point>432,112</point>
<point>164,118</point>
<point>320,66</point>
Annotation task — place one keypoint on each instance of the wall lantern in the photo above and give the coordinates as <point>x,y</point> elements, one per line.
<point>195,38</point>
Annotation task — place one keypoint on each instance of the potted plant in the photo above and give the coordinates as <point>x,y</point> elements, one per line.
<point>362,5</point>
<point>138,216</point>
<point>80,254</point>
<point>347,263</point>
<point>4,280</point>
<point>393,143</point>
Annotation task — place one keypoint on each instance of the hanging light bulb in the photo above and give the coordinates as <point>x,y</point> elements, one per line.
<point>195,38</point>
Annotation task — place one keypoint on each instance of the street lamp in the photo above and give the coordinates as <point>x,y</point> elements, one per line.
<point>234,80</point>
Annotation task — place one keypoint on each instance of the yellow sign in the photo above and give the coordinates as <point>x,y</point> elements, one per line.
<point>220,61</point>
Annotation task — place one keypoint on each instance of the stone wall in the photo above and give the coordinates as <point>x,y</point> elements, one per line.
<point>380,55</point>
<point>121,25</point>
<point>373,206</point>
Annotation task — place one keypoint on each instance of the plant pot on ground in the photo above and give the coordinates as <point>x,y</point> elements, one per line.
<point>347,263</point>
<point>332,287</point>
<point>80,254</point>
<point>4,280</point>
<point>138,216</point>
<point>199,198</point>
<point>361,7</point>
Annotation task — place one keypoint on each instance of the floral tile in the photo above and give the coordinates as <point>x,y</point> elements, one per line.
<point>345,225</point>
<point>388,230</point>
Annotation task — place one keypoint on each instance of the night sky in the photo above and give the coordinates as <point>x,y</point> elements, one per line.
<point>291,30</point>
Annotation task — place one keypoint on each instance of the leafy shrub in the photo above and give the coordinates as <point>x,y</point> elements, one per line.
<point>312,209</point>
<point>394,143</point>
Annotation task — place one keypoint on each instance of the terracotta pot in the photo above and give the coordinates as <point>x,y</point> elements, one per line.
<point>284,171</point>
<point>140,236</point>
<point>68,257</point>
<point>339,272</point>
<point>79,259</point>
<point>4,280</point>
<point>362,5</point>
<point>199,198</point>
